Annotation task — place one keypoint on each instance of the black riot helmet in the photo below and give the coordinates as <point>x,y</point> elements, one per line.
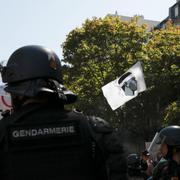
<point>33,69</point>
<point>170,136</point>
<point>32,62</point>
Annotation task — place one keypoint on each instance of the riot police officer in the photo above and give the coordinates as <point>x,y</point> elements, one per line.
<point>42,140</point>
<point>168,142</point>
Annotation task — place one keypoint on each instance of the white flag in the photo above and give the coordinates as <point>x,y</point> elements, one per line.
<point>126,87</point>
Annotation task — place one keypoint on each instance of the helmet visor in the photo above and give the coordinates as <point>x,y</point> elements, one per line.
<point>155,144</point>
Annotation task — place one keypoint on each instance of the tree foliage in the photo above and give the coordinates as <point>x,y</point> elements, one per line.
<point>172,114</point>
<point>162,68</point>
<point>103,49</point>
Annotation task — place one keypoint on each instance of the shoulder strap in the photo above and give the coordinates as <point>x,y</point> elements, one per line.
<point>89,123</point>
<point>97,137</point>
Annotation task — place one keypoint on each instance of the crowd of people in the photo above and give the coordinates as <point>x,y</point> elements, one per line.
<point>166,147</point>
<point>41,140</point>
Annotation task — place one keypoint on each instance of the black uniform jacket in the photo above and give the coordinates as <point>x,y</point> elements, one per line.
<point>46,142</point>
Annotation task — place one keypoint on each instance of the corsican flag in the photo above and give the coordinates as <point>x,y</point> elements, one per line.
<point>126,87</point>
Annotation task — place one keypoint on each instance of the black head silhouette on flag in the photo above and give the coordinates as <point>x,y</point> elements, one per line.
<point>128,83</point>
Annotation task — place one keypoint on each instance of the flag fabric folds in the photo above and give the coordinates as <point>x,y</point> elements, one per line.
<point>126,87</point>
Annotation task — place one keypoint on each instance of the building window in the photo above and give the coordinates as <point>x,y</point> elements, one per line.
<point>176,11</point>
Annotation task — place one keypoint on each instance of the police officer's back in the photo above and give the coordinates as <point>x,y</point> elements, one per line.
<point>42,140</point>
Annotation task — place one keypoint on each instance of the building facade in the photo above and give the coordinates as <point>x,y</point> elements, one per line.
<point>174,16</point>
<point>141,20</point>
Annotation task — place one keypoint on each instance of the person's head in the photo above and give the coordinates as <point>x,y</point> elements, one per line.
<point>34,71</point>
<point>169,140</point>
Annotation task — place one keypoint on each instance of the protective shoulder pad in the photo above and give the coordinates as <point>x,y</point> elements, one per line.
<point>99,125</point>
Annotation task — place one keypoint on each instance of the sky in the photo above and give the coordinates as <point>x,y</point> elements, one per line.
<point>48,22</point>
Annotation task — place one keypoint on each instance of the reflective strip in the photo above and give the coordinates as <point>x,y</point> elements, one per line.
<point>33,132</point>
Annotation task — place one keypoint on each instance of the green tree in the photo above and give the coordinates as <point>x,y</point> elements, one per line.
<point>172,114</point>
<point>103,49</point>
<point>98,52</point>
<point>162,69</point>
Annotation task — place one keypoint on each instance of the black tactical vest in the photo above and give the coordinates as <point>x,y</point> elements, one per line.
<point>48,144</point>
